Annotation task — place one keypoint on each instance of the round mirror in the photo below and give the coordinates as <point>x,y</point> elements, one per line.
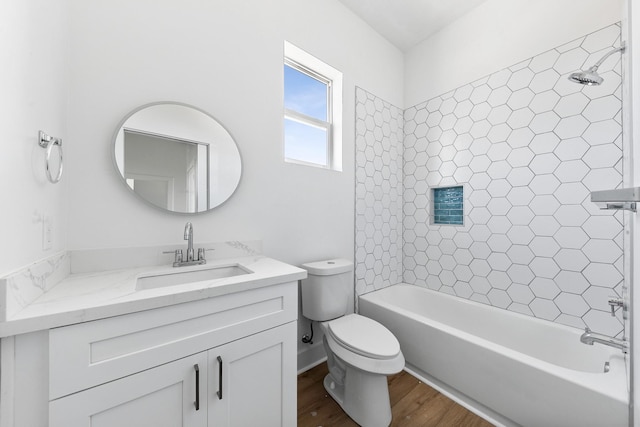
<point>177,157</point>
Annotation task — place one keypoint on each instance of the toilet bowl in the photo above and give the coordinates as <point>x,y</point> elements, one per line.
<point>360,351</point>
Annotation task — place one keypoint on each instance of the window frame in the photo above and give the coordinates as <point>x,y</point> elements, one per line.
<point>306,63</point>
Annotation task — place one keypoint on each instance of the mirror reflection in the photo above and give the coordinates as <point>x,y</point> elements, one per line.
<point>177,157</point>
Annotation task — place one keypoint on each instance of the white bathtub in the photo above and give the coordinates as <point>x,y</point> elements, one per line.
<point>510,368</point>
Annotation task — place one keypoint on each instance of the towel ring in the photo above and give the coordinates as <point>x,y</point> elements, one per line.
<point>47,142</point>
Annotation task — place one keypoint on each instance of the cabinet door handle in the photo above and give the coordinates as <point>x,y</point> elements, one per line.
<point>197,402</point>
<point>219,378</point>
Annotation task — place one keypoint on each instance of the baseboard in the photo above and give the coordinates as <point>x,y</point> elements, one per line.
<point>310,357</point>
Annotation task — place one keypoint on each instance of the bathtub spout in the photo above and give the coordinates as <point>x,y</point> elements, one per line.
<point>590,337</point>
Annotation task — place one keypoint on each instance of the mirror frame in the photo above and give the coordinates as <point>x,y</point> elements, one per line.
<point>122,179</point>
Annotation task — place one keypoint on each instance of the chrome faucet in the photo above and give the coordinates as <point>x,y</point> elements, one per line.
<point>191,259</point>
<point>590,337</point>
<point>188,236</point>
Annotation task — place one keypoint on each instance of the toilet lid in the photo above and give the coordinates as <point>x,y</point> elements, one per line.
<point>364,336</point>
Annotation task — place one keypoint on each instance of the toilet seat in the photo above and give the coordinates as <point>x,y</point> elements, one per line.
<point>364,352</point>
<point>364,336</point>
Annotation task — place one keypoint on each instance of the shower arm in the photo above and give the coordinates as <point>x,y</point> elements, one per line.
<point>595,66</point>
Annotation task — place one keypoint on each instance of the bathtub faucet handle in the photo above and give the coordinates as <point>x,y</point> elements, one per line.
<point>615,302</point>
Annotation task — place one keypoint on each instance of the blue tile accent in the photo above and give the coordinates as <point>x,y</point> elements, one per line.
<point>448,205</point>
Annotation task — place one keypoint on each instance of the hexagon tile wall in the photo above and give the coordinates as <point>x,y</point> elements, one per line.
<point>528,146</point>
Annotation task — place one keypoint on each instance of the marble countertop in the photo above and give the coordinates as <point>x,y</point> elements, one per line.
<point>91,296</point>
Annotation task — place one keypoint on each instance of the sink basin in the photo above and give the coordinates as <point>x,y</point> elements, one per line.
<point>181,277</point>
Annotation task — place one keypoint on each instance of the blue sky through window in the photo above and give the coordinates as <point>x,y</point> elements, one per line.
<point>305,127</point>
<point>304,94</point>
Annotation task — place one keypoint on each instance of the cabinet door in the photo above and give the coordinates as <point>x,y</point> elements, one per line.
<point>164,396</point>
<point>253,380</point>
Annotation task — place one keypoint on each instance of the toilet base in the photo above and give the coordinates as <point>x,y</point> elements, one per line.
<point>364,397</point>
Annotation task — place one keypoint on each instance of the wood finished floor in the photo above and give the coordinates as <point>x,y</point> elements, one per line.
<point>413,404</point>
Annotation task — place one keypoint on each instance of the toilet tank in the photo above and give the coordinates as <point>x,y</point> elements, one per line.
<point>327,289</point>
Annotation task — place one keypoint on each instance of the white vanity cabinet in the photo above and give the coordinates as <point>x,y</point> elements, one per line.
<point>234,354</point>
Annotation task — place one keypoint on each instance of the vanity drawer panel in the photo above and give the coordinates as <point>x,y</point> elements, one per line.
<point>92,353</point>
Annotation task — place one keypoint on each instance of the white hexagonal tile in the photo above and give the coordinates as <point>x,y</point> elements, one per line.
<point>544,81</point>
<point>499,96</point>
<point>480,285</point>
<point>544,122</point>
<point>520,293</point>
<point>480,267</point>
<point>605,251</point>
<point>480,128</point>
<point>499,78</point>
<point>520,98</point>
<point>602,156</point>
<point>600,274</point>
<point>499,133</point>
<point>571,60</point>
<point>499,261</point>
<point>448,105</point>
<point>602,227</point>
<point>520,274</point>
<point>603,322</point>
<point>480,94</point>
<point>463,125</point>
<point>544,101</point>
<point>480,250</point>
<point>499,243</point>
<point>521,118</point>
<point>544,61</point>
<point>571,127</point>
<point>520,157</point>
<point>544,309</point>
<point>544,288</point>
<point>520,176</point>
<point>571,105</point>
<point>463,93</point>
<point>602,108</point>
<point>604,132</point>
<point>544,204</point>
<point>544,225</point>
<point>499,298</point>
<point>499,280</point>
<point>520,79</point>
<point>571,171</point>
<point>571,304</point>
<point>498,206</point>
<point>462,289</point>
<point>571,193</point>
<point>499,188</point>
<point>480,111</point>
<point>520,215</point>
<point>520,254</point>
<point>520,138</point>
<point>499,114</point>
<point>571,237</point>
<point>544,246</point>
<point>520,235</point>
<point>571,260</point>
<point>571,149</point>
<point>544,164</point>
<point>544,143</point>
<point>571,215</point>
<point>572,281</point>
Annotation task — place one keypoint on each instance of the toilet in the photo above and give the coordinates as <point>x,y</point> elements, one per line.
<point>360,351</point>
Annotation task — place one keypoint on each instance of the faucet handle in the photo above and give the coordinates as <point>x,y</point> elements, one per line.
<point>615,302</point>
<point>201,253</point>
<point>177,253</point>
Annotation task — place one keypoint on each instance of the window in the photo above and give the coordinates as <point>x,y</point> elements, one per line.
<point>448,205</point>
<point>312,110</point>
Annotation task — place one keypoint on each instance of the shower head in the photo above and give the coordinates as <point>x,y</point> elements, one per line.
<point>591,76</point>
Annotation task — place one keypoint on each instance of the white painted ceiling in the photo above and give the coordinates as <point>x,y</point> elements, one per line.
<point>405,23</point>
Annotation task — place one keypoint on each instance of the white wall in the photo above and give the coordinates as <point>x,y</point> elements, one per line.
<point>496,35</point>
<point>33,50</point>
<point>225,58</point>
